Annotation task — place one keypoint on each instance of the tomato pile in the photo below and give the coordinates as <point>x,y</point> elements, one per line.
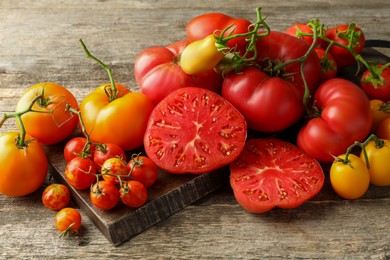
<point>223,96</point>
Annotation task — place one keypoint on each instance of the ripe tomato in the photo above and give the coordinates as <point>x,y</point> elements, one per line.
<point>106,151</point>
<point>143,169</point>
<point>347,35</point>
<point>383,129</point>
<point>299,29</point>
<point>53,127</point>
<point>380,111</point>
<point>382,88</point>
<point>121,121</point>
<point>349,180</point>
<point>133,194</point>
<point>56,196</point>
<point>378,154</point>
<point>345,117</point>
<point>114,168</point>
<point>203,25</point>
<point>23,169</point>
<point>74,147</point>
<point>68,221</point>
<point>273,173</point>
<point>104,195</point>
<point>80,173</point>
<point>328,65</point>
<point>158,73</point>
<point>194,130</point>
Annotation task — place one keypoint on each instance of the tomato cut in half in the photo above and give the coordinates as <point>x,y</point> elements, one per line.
<point>274,173</point>
<point>194,130</point>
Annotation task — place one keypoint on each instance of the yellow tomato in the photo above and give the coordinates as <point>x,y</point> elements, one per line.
<point>379,166</point>
<point>380,111</point>
<point>349,180</point>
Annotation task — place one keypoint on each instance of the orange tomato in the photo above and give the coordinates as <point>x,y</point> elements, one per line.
<point>380,111</point>
<point>383,129</point>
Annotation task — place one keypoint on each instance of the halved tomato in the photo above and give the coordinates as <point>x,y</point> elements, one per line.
<point>274,173</point>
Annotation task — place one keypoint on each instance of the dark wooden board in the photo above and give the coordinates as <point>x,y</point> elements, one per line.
<point>172,193</point>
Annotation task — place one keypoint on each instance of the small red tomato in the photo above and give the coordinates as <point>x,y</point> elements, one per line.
<point>74,147</point>
<point>80,173</point>
<point>56,196</point>
<point>133,194</point>
<point>377,88</point>
<point>68,221</point>
<point>105,152</point>
<point>143,169</point>
<point>113,169</point>
<point>104,195</point>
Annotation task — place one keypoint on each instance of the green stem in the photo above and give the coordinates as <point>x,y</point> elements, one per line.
<point>378,144</point>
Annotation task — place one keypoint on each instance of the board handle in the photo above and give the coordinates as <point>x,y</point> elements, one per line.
<point>377,43</point>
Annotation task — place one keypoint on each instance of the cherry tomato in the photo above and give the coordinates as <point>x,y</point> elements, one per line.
<point>23,169</point>
<point>383,129</point>
<point>299,29</point>
<point>349,180</point>
<point>80,173</point>
<point>194,130</point>
<point>347,35</point>
<point>345,117</point>
<point>378,154</point>
<point>104,195</point>
<point>68,221</point>
<point>328,65</point>
<point>377,88</point>
<point>113,168</point>
<point>133,194</point>
<point>56,196</point>
<point>158,73</point>
<point>53,127</point>
<point>380,111</point>
<point>75,146</point>
<point>121,121</point>
<point>106,151</point>
<point>143,169</point>
<point>273,173</point>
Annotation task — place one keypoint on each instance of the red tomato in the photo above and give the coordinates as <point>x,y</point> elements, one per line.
<point>56,196</point>
<point>269,104</point>
<point>382,88</point>
<point>68,221</point>
<point>345,118</point>
<point>23,169</point>
<point>121,121</point>
<point>273,173</point>
<point>53,127</point>
<point>133,194</point>
<point>157,71</point>
<point>194,130</point>
<point>114,170</point>
<point>328,65</point>
<point>205,24</point>
<point>143,169</point>
<point>104,195</point>
<point>300,28</point>
<point>74,147</point>
<point>106,151</point>
<point>80,173</point>
<point>346,35</point>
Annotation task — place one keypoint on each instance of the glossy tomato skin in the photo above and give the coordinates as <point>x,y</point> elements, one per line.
<point>104,195</point>
<point>49,128</point>
<point>194,130</point>
<point>158,72</point>
<point>105,152</point>
<point>381,91</point>
<point>273,173</point>
<point>68,219</point>
<point>343,57</point>
<point>113,169</point>
<point>269,104</point>
<point>75,146</point>
<point>56,196</point>
<point>133,194</point>
<point>121,121</point>
<point>378,160</point>
<point>143,169</point>
<point>80,173</point>
<point>345,118</point>
<point>22,171</point>
<point>299,28</point>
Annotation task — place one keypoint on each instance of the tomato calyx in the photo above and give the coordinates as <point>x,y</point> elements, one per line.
<point>375,77</point>
<point>68,232</point>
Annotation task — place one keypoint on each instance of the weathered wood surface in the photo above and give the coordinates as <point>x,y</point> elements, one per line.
<point>39,42</point>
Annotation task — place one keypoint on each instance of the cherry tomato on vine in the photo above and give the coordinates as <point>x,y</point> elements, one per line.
<point>328,65</point>
<point>23,169</point>
<point>350,180</point>
<point>104,195</point>
<point>57,123</point>
<point>56,196</point>
<point>380,111</point>
<point>80,173</point>
<point>75,146</point>
<point>68,221</point>
<point>143,169</point>
<point>113,168</point>
<point>300,29</point>
<point>377,88</point>
<point>273,173</point>
<point>106,151</point>
<point>378,154</point>
<point>133,194</point>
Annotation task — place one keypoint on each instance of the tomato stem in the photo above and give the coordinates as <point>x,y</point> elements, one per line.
<point>112,93</point>
<point>378,144</point>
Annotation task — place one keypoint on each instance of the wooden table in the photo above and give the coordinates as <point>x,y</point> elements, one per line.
<point>39,42</point>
